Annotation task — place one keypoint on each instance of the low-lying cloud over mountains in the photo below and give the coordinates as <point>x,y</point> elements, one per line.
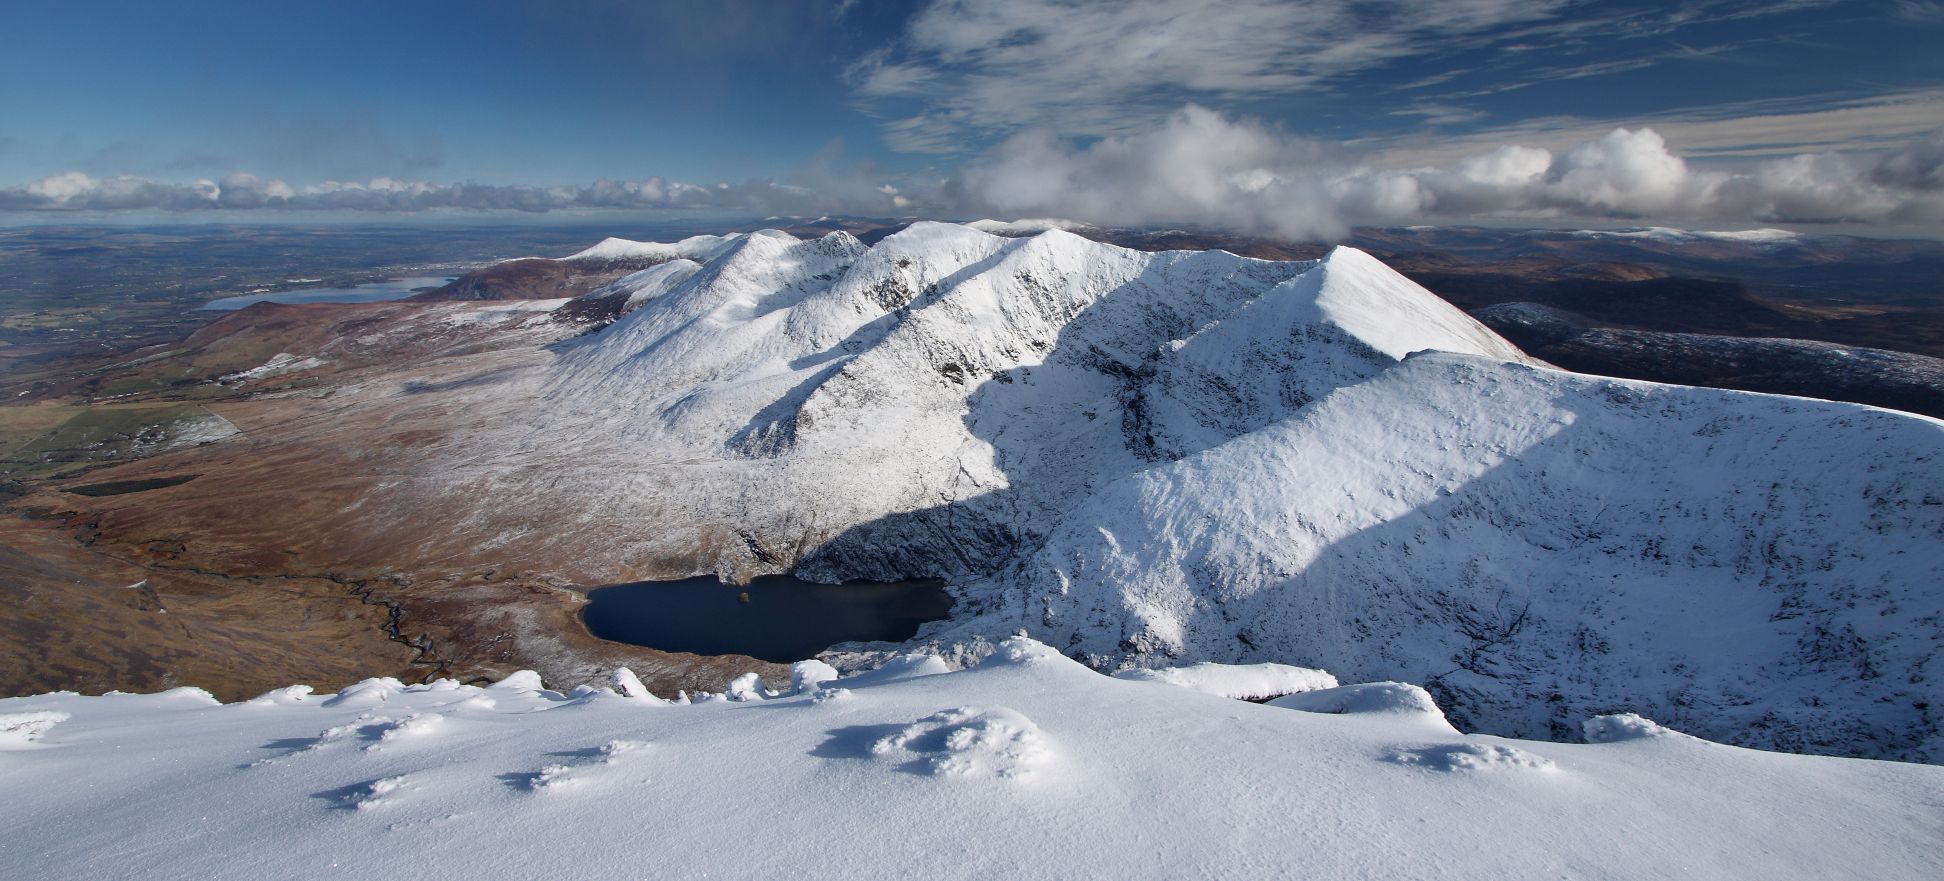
<point>1196,167</point>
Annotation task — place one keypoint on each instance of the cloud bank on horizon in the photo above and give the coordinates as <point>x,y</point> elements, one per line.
<point>1196,168</point>
<point>1296,120</point>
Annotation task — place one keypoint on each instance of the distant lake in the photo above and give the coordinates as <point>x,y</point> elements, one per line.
<point>395,289</point>
<point>784,620</point>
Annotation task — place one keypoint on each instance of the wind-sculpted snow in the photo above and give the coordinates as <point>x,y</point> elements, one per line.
<point>1026,766</point>
<point>1535,547</point>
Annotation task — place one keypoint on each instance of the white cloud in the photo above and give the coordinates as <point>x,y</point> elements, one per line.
<point>1733,132</point>
<point>966,70</point>
<point>1201,168</point>
<point>1104,68</point>
<point>1195,167</point>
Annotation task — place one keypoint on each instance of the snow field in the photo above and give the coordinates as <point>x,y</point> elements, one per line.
<point>1027,765</point>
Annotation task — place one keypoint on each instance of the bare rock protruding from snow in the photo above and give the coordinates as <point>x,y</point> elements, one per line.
<point>1249,682</point>
<point>1455,758</point>
<point>19,730</point>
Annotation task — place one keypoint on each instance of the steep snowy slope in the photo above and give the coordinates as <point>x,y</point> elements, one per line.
<point>923,406</point>
<point>1536,546</point>
<point>1028,766</point>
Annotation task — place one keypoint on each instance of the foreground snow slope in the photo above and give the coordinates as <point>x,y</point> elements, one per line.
<point>1028,766</point>
<point>1536,546</point>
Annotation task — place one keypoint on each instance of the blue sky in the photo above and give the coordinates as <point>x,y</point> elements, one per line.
<point>942,106</point>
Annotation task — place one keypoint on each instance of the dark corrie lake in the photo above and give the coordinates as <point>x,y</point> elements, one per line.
<point>783,619</point>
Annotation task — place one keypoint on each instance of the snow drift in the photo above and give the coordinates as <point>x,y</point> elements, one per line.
<point>1026,766</point>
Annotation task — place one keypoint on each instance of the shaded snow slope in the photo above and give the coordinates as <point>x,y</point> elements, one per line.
<point>1536,546</point>
<point>1028,766</point>
<point>924,405</point>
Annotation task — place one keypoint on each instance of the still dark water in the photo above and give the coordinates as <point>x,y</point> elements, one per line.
<point>784,620</point>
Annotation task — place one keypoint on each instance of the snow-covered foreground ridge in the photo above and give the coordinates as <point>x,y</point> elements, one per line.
<point>1155,458</point>
<point>1026,766</point>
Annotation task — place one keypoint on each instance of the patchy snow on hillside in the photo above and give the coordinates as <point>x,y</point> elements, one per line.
<point>1026,766</point>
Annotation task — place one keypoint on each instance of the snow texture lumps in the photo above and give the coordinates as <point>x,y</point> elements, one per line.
<point>1238,681</point>
<point>1043,768</point>
<point>968,742</point>
<point>1617,727</point>
<point>20,730</point>
<point>1398,699</point>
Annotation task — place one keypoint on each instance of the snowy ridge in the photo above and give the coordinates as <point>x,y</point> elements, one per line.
<point>693,248</point>
<point>1719,559</point>
<point>1157,458</point>
<point>854,393</point>
<point>1027,226</point>
<point>1035,758</point>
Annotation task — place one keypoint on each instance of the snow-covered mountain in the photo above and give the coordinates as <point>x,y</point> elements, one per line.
<point>1179,456</point>
<point>691,248</point>
<point>1027,766</point>
<point>821,404</point>
<point>1534,546</point>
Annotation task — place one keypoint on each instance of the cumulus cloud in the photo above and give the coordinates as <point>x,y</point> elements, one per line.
<point>1197,167</point>
<point>1201,168</point>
